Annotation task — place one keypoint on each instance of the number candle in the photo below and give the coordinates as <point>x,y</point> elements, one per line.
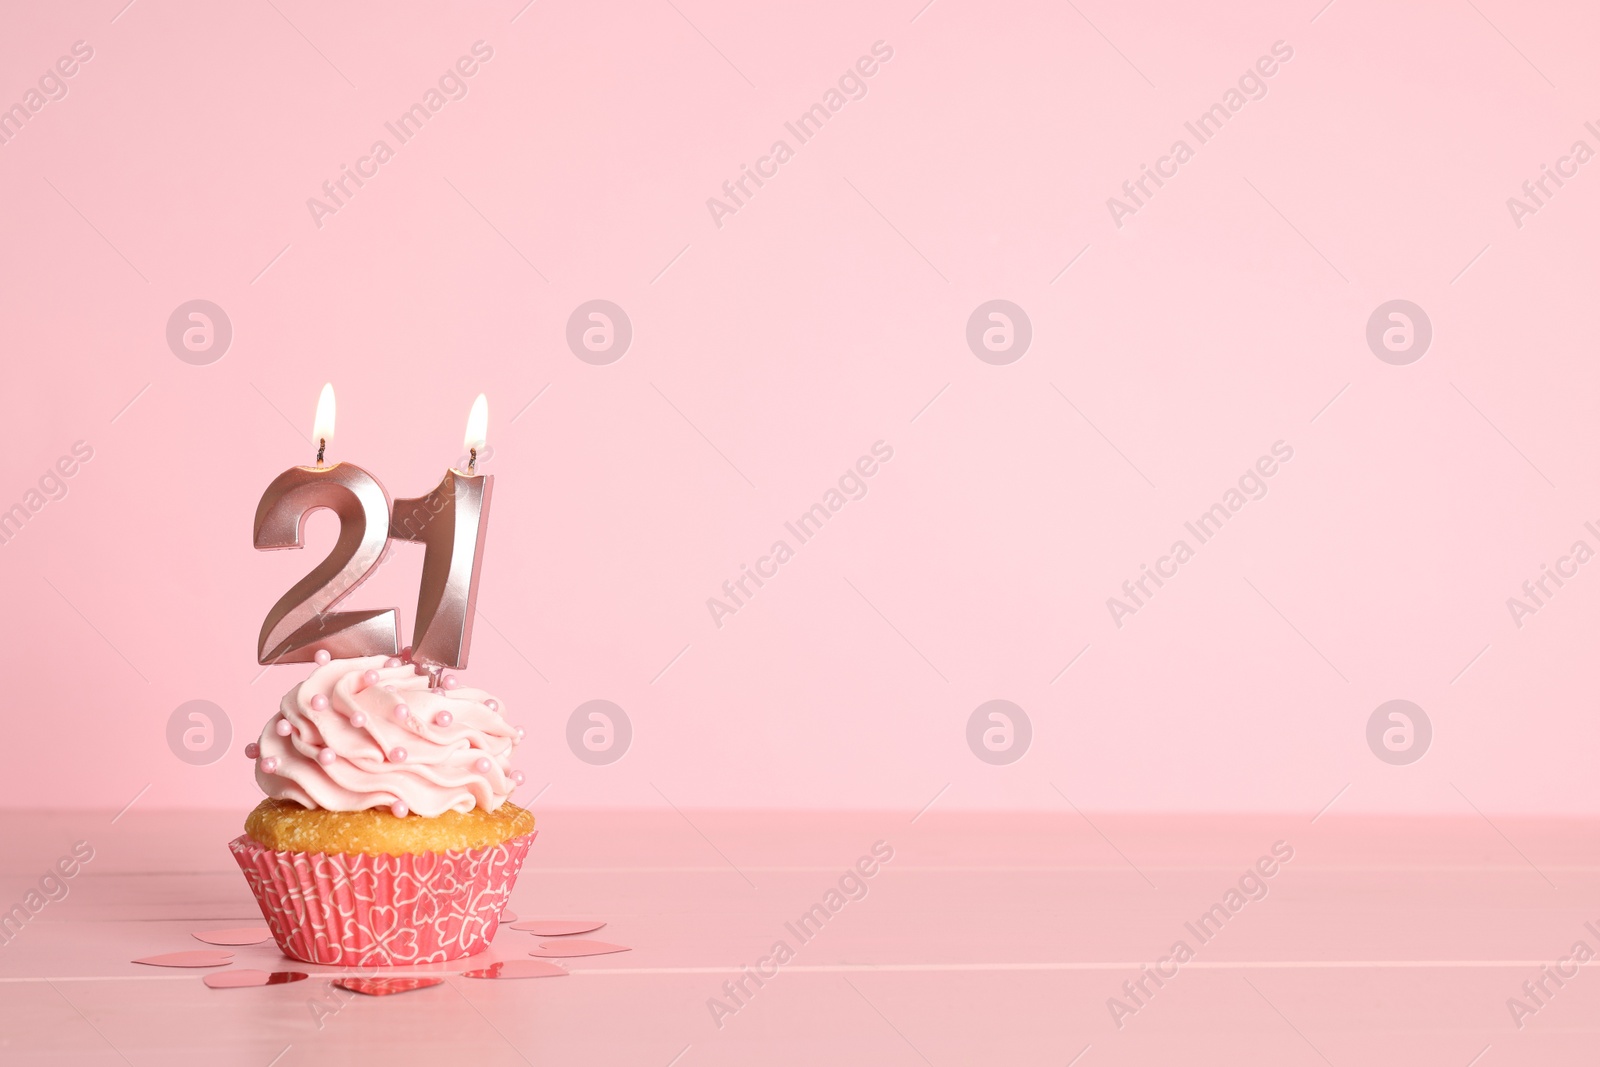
<point>451,523</point>
<point>300,624</point>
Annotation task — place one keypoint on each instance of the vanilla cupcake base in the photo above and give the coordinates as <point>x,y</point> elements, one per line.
<point>283,825</point>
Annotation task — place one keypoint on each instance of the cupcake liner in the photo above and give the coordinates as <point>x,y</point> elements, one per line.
<point>352,909</point>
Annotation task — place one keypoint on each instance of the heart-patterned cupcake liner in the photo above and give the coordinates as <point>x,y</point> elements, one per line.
<point>351,909</point>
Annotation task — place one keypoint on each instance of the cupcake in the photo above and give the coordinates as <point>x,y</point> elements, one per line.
<point>387,836</point>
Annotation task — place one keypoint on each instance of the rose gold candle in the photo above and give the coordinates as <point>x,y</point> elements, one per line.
<point>451,523</point>
<point>301,623</point>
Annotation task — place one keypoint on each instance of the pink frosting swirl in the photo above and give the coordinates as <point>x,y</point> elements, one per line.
<point>452,767</point>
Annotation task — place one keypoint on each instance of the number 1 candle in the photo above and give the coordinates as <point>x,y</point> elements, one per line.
<point>451,523</point>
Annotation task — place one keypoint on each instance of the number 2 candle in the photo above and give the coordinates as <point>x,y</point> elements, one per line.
<point>301,622</point>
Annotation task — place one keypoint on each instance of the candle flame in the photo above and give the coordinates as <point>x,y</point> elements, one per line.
<point>322,428</point>
<point>478,424</point>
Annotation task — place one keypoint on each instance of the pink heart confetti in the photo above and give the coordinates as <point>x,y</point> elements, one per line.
<point>383,987</point>
<point>238,935</point>
<point>518,969</point>
<point>507,915</point>
<point>557,927</point>
<point>576,947</point>
<point>240,979</point>
<point>196,958</point>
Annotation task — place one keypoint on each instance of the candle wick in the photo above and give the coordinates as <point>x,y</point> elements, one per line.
<point>322,446</point>
<point>472,460</point>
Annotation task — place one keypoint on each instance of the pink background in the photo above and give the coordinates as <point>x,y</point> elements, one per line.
<point>821,318</point>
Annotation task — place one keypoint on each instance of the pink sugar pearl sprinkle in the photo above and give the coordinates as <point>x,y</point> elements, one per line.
<point>444,718</point>
<point>326,757</point>
<point>397,755</point>
<point>323,657</point>
<point>369,677</point>
<point>492,705</point>
<point>269,765</point>
<point>401,712</point>
<point>358,720</point>
<point>399,810</point>
<point>319,703</point>
<point>450,681</point>
<point>252,751</point>
<point>392,661</point>
<point>481,765</point>
<point>283,728</point>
